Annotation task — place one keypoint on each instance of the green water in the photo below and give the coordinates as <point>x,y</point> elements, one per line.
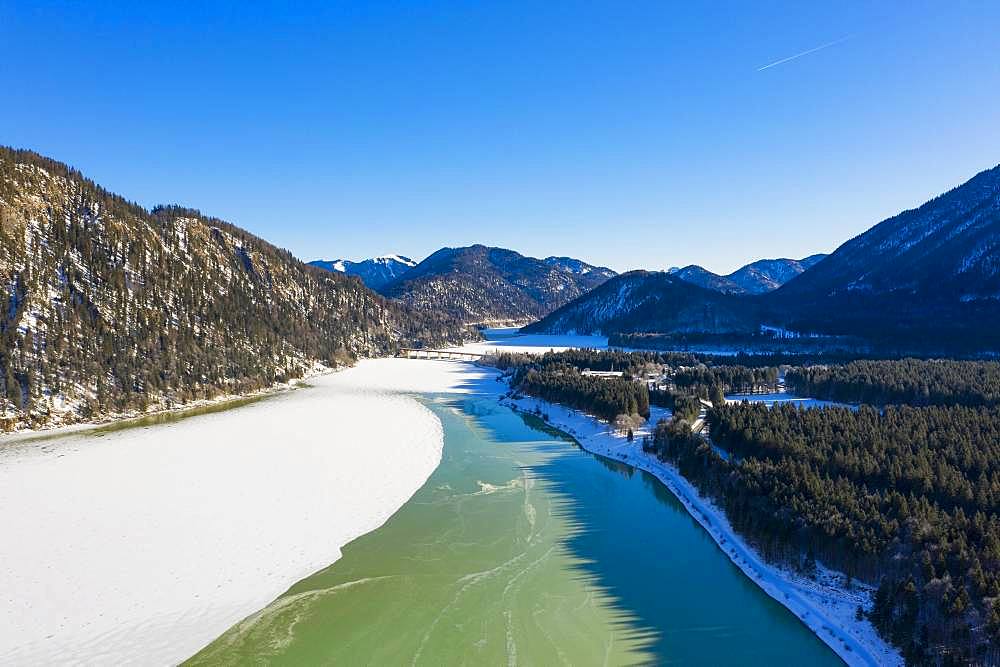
<point>523,549</point>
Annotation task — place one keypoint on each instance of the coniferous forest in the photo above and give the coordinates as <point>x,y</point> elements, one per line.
<point>904,381</point>
<point>905,497</point>
<point>606,398</point>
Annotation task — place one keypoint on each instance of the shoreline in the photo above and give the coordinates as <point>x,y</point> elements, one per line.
<point>146,544</point>
<point>823,606</point>
<point>83,427</point>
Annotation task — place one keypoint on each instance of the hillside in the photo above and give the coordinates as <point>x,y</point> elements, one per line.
<point>926,280</point>
<point>375,272</point>
<point>928,273</point>
<point>757,277</point>
<point>481,284</point>
<point>947,247</point>
<point>113,308</point>
<point>640,302</point>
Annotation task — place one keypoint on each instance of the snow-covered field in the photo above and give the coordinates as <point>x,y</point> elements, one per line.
<point>508,340</point>
<point>142,545</point>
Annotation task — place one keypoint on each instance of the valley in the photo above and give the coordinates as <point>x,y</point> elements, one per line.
<point>242,368</point>
<point>353,333</point>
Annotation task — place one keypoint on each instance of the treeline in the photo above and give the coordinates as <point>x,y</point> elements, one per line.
<point>907,497</point>
<point>687,371</point>
<point>605,398</point>
<point>687,376</point>
<point>632,364</point>
<point>903,381</point>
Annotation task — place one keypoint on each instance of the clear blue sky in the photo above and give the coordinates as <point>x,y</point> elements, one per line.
<point>630,134</point>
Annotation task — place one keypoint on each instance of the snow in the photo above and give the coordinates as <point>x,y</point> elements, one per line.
<point>387,259</point>
<point>145,544</point>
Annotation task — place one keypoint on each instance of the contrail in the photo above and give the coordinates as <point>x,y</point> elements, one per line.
<point>804,53</point>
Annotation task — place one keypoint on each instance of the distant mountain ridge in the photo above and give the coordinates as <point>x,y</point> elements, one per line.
<point>758,277</point>
<point>374,272</point>
<point>479,284</point>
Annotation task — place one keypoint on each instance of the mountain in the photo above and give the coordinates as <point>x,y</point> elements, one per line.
<point>374,272</point>
<point>926,279</point>
<point>758,277</point>
<point>479,284</point>
<point>947,248</point>
<point>641,301</point>
<point>112,308</point>
<point>933,271</point>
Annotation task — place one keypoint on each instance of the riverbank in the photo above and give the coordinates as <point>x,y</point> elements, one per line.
<point>823,604</point>
<point>66,422</point>
<point>144,544</point>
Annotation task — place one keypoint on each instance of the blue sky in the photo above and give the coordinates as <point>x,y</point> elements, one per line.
<point>629,134</point>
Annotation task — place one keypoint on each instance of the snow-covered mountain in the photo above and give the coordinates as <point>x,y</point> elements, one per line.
<point>374,272</point>
<point>483,284</point>
<point>757,277</point>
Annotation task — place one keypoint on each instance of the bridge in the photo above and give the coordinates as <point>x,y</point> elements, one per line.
<point>423,353</point>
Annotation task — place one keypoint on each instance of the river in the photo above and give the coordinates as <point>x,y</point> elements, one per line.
<point>523,548</point>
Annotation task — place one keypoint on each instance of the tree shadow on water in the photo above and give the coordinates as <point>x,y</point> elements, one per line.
<point>613,545</point>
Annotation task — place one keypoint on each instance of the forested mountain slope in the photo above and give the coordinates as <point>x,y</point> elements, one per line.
<point>112,308</point>
<point>949,246</point>
<point>924,281</point>
<point>928,273</point>
<point>483,284</point>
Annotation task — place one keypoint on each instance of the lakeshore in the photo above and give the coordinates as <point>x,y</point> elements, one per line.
<point>143,544</point>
